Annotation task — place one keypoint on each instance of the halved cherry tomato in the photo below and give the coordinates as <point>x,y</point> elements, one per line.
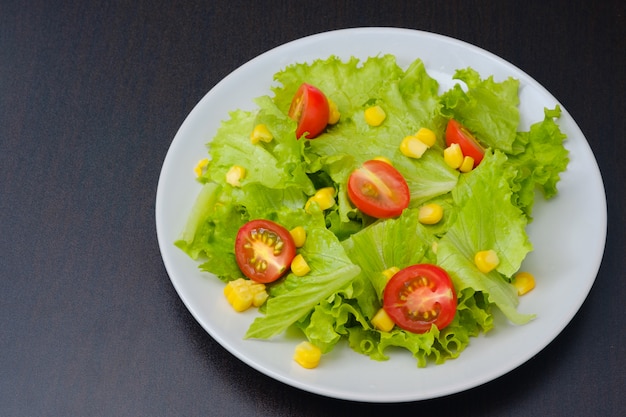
<point>419,296</point>
<point>457,133</point>
<point>309,107</point>
<point>264,250</point>
<point>378,189</point>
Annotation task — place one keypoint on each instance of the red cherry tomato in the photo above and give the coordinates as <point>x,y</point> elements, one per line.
<point>378,189</point>
<point>457,133</point>
<point>419,296</point>
<point>309,108</point>
<point>264,250</point>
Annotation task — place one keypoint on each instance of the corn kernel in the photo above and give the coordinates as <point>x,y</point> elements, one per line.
<point>260,133</point>
<point>298,234</point>
<point>383,159</point>
<point>486,260</point>
<point>333,112</point>
<point>299,266</point>
<point>235,174</point>
<point>243,294</point>
<point>523,282</point>
<point>427,136</point>
<point>259,296</point>
<point>382,321</point>
<point>412,147</point>
<point>238,299</point>
<point>307,355</point>
<point>431,213</point>
<point>201,166</point>
<point>375,115</point>
<point>467,165</point>
<point>391,271</point>
<point>324,198</point>
<point>453,156</point>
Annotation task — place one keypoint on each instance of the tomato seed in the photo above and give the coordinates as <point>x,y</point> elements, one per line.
<point>261,266</point>
<point>278,248</point>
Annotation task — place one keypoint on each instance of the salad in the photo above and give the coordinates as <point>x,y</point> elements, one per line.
<point>304,162</point>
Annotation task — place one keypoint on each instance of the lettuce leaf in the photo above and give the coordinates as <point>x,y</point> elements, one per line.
<point>402,242</point>
<point>487,219</point>
<point>542,162</point>
<point>209,235</point>
<point>293,299</point>
<point>277,164</point>
<point>486,108</point>
<point>411,101</point>
<point>390,243</point>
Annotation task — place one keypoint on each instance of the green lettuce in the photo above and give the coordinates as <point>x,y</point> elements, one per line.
<point>487,219</point>
<point>487,208</point>
<point>411,101</point>
<point>293,298</point>
<point>486,108</point>
<point>542,162</point>
<point>277,164</point>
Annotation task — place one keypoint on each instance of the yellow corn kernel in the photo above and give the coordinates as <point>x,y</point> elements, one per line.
<point>486,260</point>
<point>260,133</point>
<point>382,321</point>
<point>299,266</point>
<point>243,294</point>
<point>239,301</point>
<point>259,296</point>
<point>467,165</point>
<point>333,112</point>
<point>453,155</point>
<point>412,147</point>
<point>427,136</point>
<point>523,282</point>
<point>375,116</point>
<point>391,271</point>
<point>383,159</point>
<point>298,234</point>
<point>431,213</point>
<point>201,166</point>
<point>329,191</point>
<point>235,174</point>
<point>307,355</point>
<point>324,198</point>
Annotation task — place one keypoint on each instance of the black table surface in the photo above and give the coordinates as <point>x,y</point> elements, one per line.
<point>91,96</point>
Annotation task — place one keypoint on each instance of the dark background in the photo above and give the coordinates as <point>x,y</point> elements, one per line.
<point>91,95</point>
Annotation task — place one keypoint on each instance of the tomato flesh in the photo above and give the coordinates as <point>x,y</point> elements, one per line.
<point>457,133</point>
<point>419,296</point>
<point>309,108</point>
<point>378,189</point>
<point>264,250</point>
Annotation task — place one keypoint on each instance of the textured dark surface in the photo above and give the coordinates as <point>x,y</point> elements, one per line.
<point>91,95</point>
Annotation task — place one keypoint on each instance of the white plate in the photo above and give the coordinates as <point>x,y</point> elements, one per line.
<point>568,242</point>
